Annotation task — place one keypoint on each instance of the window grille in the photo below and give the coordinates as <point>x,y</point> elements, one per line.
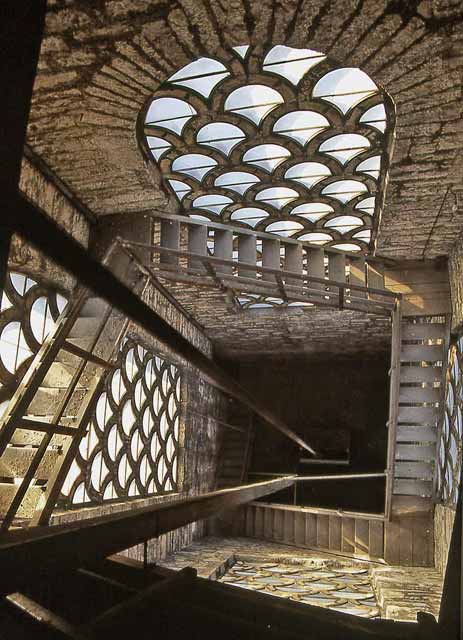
<point>450,443</point>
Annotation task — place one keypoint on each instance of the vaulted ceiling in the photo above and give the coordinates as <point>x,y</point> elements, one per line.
<point>101,61</point>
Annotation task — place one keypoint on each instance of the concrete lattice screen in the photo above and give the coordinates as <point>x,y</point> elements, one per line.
<point>324,135</point>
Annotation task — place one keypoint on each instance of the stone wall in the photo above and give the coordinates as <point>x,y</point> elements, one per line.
<point>456,285</point>
<point>42,192</point>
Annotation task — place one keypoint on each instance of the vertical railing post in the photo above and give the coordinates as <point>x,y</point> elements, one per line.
<point>223,248</point>
<point>270,257</point>
<point>316,266</point>
<point>294,262</point>
<point>247,253</point>
<point>357,276</point>
<point>394,390</point>
<point>197,243</point>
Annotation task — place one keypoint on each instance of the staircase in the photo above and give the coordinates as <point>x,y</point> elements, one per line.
<point>356,535</point>
<point>236,447</point>
<point>48,414</point>
<point>423,353</point>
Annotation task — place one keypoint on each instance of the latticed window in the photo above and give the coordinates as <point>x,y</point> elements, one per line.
<point>450,444</point>
<point>286,142</point>
<point>132,445</point>
<point>28,313</point>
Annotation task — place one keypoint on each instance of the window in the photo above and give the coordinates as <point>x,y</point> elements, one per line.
<point>132,445</point>
<point>289,134</point>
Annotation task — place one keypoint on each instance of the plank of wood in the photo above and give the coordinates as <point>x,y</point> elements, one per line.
<point>311,529</point>
<point>416,452</point>
<point>288,526</point>
<point>268,523</point>
<point>418,415</point>
<point>337,267</point>
<point>419,394</point>
<point>375,276</point>
<point>406,541</point>
<point>323,523</point>
<point>423,330</point>
<point>407,433</point>
<point>361,537</point>
<point>421,353</point>
<point>376,538</point>
<point>411,505</point>
<point>412,487</point>
<point>278,525</point>
<point>417,470</point>
<point>250,516</point>
<point>348,535</point>
<point>299,528</point>
<point>259,522</point>
<point>417,305</point>
<point>405,277</point>
<point>391,541</point>
<point>334,533</point>
<point>357,275</point>
<point>420,374</point>
<point>422,542</point>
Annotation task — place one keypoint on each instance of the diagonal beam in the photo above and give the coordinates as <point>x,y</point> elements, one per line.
<point>27,556</point>
<point>36,227</point>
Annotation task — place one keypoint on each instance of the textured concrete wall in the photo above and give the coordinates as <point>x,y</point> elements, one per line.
<point>45,195</point>
<point>101,61</point>
<point>456,285</point>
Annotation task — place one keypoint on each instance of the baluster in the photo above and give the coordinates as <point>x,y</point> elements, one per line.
<point>270,257</point>
<point>223,248</point>
<point>337,272</point>
<point>294,262</point>
<point>247,253</point>
<point>170,238</point>
<point>197,243</point>
<point>316,266</point>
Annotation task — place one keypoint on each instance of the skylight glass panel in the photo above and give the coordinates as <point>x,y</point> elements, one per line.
<point>254,102</point>
<point>367,205</point>
<point>343,224</point>
<point>308,173</point>
<point>316,238</point>
<point>194,165</point>
<point>21,283</point>
<point>284,228</point>
<point>238,181</point>
<point>370,166</point>
<point>345,146</point>
<point>158,146</point>
<point>345,88</point>
<point>249,215</point>
<point>202,75</point>
<point>301,126</point>
<point>241,50</point>
<point>344,190</point>
<point>170,113</point>
<point>214,203</point>
<point>291,64</point>
<point>375,117</point>
<point>222,136</point>
<point>312,211</point>
<point>347,246</point>
<point>266,156</point>
<point>277,197</point>
<point>364,235</point>
<point>180,188</point>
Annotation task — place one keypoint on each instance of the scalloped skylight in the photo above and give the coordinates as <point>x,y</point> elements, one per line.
<point>290,144</point>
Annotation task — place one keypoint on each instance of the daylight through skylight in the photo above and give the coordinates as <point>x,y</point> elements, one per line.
<point>291,143</point>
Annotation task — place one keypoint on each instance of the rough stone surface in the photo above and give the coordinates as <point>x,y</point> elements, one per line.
<point>101,61</point>
<point>456,285</point>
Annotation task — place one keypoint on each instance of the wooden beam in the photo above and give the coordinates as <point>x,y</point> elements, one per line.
<point>34,225</point>
<point>28,556</point>
<point>87,355</point>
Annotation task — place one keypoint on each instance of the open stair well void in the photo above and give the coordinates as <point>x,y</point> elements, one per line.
<point>284,271</point>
